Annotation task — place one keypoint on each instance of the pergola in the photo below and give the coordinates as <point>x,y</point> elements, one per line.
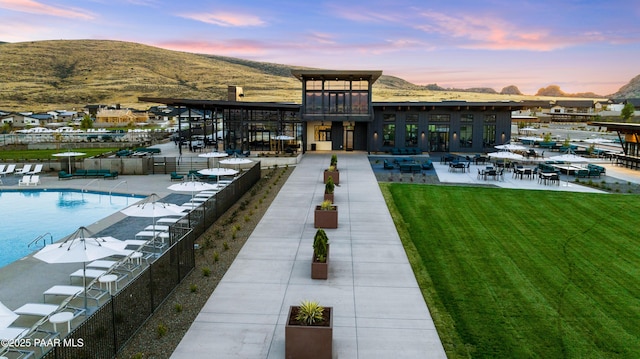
<point>629,136</point>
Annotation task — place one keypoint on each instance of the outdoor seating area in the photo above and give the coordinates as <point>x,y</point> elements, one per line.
<point>29,180</point>
<point>98,173</point>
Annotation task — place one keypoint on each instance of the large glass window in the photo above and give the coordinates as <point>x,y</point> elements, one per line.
<point>411,131</point>
<point>439,137</point>
<point>389,130</point>
<point>466,130</point>
<point>489,131</point>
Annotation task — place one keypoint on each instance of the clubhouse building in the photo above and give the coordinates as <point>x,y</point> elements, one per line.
<point>337,114</point>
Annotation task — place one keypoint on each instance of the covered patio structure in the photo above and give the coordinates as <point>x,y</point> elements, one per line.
<point>629,136</point>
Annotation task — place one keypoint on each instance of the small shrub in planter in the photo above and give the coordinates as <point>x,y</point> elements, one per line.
<point>332,172</point>
<point>326,215</point>
<point>320,260</point>
<point>309,331</point>
<point>329,187</point>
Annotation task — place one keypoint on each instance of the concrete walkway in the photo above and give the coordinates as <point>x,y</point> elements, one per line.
<point>379,310</point>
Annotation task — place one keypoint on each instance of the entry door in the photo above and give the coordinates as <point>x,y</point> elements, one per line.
<point>349,141</point>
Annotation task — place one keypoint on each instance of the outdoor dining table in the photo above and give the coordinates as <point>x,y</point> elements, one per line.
<point>523,171</point>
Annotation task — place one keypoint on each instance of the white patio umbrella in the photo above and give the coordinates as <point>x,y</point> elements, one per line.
<point>7,316</point>
<point>235,161</point>
<point>152,208</point>
<point>69,154</point>
<point>213,155</point>
<point>191,186</point>
<point>80,246</point>
<point>507,155</point>
<point>510,147</point>
<point>219,171</point>
<point>569,158</point>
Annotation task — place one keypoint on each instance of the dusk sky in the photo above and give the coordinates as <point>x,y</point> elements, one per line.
<point>579,45</point>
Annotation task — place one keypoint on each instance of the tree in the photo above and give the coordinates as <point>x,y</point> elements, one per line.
<point>86,122</point>
<point>627,112</point>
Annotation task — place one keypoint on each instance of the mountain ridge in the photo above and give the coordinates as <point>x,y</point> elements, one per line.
<point>52,74</point>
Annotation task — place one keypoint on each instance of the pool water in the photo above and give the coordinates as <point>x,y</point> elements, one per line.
<point>25,215</point>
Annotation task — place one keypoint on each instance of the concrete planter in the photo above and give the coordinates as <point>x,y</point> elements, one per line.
<point>320,270</point>
<point>325,218</point>
<point>311,342</point>
<point>335,175</point>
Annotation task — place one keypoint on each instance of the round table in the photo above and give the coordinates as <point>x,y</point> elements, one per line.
<point>62,317</point>
<point>137,257</point>
<point>108,279</point>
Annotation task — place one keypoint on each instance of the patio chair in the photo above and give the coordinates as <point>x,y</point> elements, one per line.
<point>64,175</point>
<point>23,171</point>
<point>10,169</point>
<point>25,181</point>
<point>176,177</point>
<point>34,180</point>
<point>36,170</point>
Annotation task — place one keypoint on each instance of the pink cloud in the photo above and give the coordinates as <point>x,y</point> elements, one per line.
<point>226,19</point>
<point>35,7</point>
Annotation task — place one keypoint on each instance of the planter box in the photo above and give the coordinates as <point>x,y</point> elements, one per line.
<point>311,342</point>
<point>325,218</point>
<point>335,175</point>
<point>328,197</point>
<point>320,270</point>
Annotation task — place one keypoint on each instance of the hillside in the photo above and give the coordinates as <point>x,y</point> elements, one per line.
<point>67,74</point>
<point>630,90</point>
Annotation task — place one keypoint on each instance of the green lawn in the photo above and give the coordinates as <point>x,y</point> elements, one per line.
<point>520,274</point>
<point>21,155</point>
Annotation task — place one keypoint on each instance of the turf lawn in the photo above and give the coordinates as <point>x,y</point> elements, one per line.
<point>520,274</point>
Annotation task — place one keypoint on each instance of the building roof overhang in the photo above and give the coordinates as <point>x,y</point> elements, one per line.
<point>320,74</point>
<point>451,105</point>
<point>219,104</point>
<point>621,127</point>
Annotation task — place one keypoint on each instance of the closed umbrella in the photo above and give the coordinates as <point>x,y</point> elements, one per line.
<point>80,246</point>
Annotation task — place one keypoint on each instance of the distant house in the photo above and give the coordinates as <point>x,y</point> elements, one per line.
<point>19,121</point>
<point>572,110</point>
<point>44,118</point>
<point>634,101</point>
<point>120,117</point>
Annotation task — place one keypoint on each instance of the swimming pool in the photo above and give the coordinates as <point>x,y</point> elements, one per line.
<point>25,215</point>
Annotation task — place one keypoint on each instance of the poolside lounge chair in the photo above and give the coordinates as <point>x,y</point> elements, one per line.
<point>71,290</point>
<point>23,171</point>
<point>36,170</point>
<point>37,309</point>
<point>88,273</point>
<point>176,177</point>
<point>2,167</point>
<point>10,169</point>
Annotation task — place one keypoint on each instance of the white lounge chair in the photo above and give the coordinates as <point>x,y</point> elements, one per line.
<point>2,167</point>
<point>36,309</point>
<point>36,170</point>
<point>71,290</point>
<point>25,181</point>
<point>23,171</point>
<point>10,169</point>
<point>157,227</point>
<point>89,273</point>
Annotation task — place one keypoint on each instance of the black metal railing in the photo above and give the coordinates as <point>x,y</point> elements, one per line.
<point>114,323</point>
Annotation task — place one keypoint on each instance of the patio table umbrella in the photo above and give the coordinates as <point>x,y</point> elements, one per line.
<point>69,154</point>
<point>235,161</point>
<point>191,186</point>
<point>510,147</point>
<point>569,158</point>
<point>213,155</point>
<point>80,246</point>
<point>507,155</point>
<point>152,208</point>
<point>218,172</point>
